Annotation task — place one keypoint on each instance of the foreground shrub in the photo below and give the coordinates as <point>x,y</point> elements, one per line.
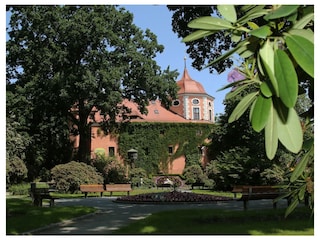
<point>19,189</point>
<point>69,176</point>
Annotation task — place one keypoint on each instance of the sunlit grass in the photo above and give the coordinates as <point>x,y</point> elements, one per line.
<point>223,222</point>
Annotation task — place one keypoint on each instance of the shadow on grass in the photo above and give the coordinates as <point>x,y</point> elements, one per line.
<point>222,222</point>
<point>22,216</point>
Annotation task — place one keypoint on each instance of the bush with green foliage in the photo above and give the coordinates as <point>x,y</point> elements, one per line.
<point>69,176</point>
<point>194,174</point>
<point>276,44</point>
<point>114,172</point>
<point>19,189</point>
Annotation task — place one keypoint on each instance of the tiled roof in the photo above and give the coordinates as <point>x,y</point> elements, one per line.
<point>156,113</point>
<point>188,85</point>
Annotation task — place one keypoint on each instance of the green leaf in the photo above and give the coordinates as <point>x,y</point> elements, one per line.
<point>303,52</point>
<point>252,14</point>
<point>292,206</point>
<point>266,54</point>
<point>210,23</point>
<point>261,32</point>
<point>307,144</point>
<point>286,77</point>
<point>282,109</point>
<point>300,24</point>
<point>282,11</point>
<point>265,89</point>
<point>271,134</point>
<point>306,33</point>
<point>228,12</point>
<point>301,166</point>
<point>236,36</point>
<point>229,53</point>
<point>242,106</point>
<point>302,192</point>
<point>290,132</point>
<point>197,35</point>
<point>240,82</point>
<point>260,113</point>
<point>236,91</point>
<point>253,25</point>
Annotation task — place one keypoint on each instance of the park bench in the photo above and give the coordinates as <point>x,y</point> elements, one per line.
<point>119,187</point>
<point>39,191</point>
<point>92,188</point>
<point>257,193</point>
<point>164,185</point>
<point>236,189</point>
<point>197,184</point>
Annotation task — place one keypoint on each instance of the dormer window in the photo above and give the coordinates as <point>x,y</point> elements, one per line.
<point>195,101</point>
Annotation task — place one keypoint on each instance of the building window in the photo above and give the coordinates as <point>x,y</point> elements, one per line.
<point>196,113</point>
<point>210,115</point>
<point>111,151</point>
<point>176,103</point>
<point>156,111</point>
<point>170,150</point>
<point>195,101</point>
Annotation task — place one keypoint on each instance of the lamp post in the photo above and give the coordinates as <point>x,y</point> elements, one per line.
<point>132,155</point>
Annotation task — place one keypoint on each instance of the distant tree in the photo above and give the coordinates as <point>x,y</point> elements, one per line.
<point>16,170</point>
<point>60,57</point>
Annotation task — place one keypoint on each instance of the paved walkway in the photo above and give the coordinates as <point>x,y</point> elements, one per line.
<point>111,216</point>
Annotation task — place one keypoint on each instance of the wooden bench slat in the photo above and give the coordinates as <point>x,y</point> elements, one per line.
<point>256,193</point>
<point>118,188</point>
<point>86,188</point>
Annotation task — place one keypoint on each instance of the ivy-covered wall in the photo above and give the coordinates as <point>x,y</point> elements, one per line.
<point>152,140</point>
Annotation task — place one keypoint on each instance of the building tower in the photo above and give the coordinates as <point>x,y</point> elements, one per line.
<point>193,103</point>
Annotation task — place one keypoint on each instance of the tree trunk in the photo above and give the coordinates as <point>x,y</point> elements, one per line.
<point>84,135</point>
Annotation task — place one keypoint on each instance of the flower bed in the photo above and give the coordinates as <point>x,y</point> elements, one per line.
<point>171,197</point>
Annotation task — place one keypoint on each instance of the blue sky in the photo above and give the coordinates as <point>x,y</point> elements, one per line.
<point>158,19</point>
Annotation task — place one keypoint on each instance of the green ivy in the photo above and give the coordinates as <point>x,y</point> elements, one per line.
<point>152,141</point>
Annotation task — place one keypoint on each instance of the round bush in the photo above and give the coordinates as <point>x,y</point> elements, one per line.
<point>69,176</point>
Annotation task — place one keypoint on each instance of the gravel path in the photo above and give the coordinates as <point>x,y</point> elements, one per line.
<point>111,216</point>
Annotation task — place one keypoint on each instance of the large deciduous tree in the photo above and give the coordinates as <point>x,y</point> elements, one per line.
<point>203,50</point>
<point>59,57</point>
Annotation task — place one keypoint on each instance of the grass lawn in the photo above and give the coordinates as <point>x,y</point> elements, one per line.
<point>23,217</point>
<point>222,222</point>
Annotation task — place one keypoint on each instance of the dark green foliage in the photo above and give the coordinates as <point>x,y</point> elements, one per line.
<point>19,189</point>
<point>152,141</point>
<point>193,174</point>
<point>16,170</point>
<point>115,173</point>
<point>59,57</point>
<point>69,176</point>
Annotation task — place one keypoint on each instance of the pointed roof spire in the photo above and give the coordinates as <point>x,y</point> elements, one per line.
<point>185,62</point>
<point>187,84</point>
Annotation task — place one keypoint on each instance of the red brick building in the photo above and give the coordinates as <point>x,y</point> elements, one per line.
<point>192,105</point>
